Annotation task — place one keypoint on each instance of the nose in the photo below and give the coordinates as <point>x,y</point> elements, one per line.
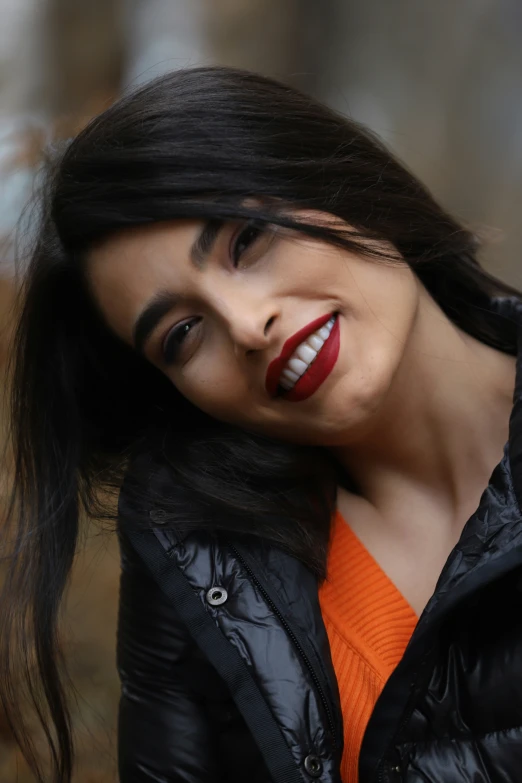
<point>250,327</point>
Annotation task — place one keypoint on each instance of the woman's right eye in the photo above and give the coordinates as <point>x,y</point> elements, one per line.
<point>175,339</point>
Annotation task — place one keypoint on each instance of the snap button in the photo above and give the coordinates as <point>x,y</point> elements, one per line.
<point>313,766</point>
<point>217,596</point>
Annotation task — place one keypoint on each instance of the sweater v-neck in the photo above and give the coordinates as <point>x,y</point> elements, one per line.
<point>369,624</point>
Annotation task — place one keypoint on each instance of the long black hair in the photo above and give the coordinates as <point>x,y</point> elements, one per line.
<point>198,143</point>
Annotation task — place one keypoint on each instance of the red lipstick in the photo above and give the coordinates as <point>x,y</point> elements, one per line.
<point>318,370</point>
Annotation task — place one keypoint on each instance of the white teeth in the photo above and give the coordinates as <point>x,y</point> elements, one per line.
<point>306,353</point>
<point>290,376</point>
<point>315,342</point>
<point>297,365</point>
<point>324,332</point>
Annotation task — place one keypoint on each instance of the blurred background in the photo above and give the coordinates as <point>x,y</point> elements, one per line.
<point>440,82</point>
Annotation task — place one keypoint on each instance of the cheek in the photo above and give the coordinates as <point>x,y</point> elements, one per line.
<point>215,388</point>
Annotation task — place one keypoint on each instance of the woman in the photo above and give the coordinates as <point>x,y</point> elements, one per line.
<point>244,310</point>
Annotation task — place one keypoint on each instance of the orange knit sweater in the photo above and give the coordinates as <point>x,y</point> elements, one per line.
<point>369,624</point>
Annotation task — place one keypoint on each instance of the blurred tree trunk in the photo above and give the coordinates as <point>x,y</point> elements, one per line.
<point>162,35</point>
<point>284,40</point>
<point>85,54</point>
<point>68,59</point>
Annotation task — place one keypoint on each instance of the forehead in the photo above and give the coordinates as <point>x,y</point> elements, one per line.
<point>129,268</point>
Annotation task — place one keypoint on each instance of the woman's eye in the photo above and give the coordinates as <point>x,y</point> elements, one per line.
<point>175,338</point>
<point>244,238</point>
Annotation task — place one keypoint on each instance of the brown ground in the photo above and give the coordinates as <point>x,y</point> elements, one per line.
<point>89,633</point>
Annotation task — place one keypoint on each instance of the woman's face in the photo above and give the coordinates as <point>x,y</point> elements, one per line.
<point>224,310</point>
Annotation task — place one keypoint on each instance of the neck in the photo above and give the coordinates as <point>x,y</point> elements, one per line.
<point>443,424</point>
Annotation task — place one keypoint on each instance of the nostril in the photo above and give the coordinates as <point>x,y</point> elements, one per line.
<point>269,324</point>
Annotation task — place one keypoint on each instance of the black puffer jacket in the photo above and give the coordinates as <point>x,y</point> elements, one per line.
<point>226,670</point>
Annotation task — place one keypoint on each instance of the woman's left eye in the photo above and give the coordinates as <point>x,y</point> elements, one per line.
<point>244,239</point>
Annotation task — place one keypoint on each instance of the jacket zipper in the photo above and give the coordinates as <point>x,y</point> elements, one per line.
<point>384,765</point>
<point>295,641</point>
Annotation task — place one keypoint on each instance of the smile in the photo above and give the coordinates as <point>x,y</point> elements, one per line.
<point>305,355</point>
<point>306,360</point>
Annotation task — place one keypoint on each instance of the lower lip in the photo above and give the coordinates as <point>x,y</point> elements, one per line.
<point>319,370</point>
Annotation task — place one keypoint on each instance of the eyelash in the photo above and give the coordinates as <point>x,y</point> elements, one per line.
<point>172,344</point>
<point>251,225</point>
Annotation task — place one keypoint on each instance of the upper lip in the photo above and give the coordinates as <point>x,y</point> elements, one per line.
<point>277,365</point>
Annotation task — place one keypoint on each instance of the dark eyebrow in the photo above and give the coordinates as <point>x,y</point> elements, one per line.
<point>149,318</point>
<point>163,302</point>
<point>205,241</point>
